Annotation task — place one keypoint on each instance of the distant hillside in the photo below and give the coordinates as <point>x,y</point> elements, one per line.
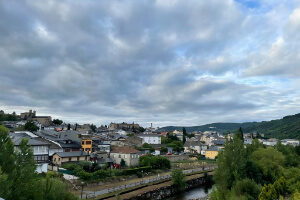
<point>219,127</point>
<point>287,127</point>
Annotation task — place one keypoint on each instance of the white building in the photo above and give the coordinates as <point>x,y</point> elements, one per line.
<point>150,138</point>
<point>292,142</point>
<point>40,148</point>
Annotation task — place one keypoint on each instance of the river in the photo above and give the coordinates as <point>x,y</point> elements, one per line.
<point>193,193</point>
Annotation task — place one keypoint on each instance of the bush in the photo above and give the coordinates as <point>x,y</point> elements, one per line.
<point>70,167</point>
<point>86,165</point>
<point>84,175</point>
<point>178,179</point>
<point>100,174</point>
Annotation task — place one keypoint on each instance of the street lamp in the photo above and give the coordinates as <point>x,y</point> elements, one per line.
<point>82,184</point>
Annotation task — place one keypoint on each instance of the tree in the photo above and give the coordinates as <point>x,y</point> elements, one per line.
<point>148,146</point>
<point>268,192</point>
<point>270,162</point>
<point>184,131</point>
<point>30,126</point>
<point>57,121</point>
<point>240,134</point>
<point>18,178</point>
<point>122,163</point>
<point>231,166</point>
<point>246,188</point>
<point>164,149</point>
<point>178,179</point>
<point>141,130</point>
<point>93,127</point>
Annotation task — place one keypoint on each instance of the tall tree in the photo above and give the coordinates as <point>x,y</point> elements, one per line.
<point>231,166</point>
<point>184,131</point>
<point>30,126</point>
<point>178,179</point>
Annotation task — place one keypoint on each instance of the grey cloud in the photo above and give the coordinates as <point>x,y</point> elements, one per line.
<point>138,61</point>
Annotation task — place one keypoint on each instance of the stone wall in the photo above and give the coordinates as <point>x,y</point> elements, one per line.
<point>174,158</point>
<point>165,192</point>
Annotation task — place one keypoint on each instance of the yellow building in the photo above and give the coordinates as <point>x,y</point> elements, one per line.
<point>60,158</point>
<point>211,153</point>
<point>86,142</point>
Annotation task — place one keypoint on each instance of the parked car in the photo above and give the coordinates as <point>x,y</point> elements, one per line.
<point>168,154</point>
<point>176,153</point>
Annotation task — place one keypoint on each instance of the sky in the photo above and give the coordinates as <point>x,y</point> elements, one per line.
<point>164,62</point>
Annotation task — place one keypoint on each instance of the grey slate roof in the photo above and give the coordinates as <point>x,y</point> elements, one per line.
<point>192,143</point>
<point>71,154</point>
<point>213,149</point>
<point>31,141</point>
<point>218,142</point>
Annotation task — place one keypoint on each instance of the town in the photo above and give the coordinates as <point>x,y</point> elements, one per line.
<point>85,154</point>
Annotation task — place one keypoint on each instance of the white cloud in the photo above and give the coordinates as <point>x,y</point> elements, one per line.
<point>166,62</point>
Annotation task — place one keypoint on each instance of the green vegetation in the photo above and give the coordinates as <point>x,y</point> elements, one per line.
<point>8,117</point>
<point>57,121</point>
<point>178,179</point>
<point>93,127</point>
<point>18,179</point>
<point>30,126</point>
<point>146,146</point>
<point>156,162</point>
<point>172,141</point>
<point>256,172</point>
<point>287,127</point>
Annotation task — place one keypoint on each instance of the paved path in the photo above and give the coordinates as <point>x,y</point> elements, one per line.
<point>90,194</point>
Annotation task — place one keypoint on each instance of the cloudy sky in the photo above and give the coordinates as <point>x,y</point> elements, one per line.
<point>167,62</point>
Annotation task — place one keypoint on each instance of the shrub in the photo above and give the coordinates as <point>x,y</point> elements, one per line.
<point>100,174</point>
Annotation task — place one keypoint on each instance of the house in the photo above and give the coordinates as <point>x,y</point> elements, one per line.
<point>39,146</point>
<point>217,143</point>
<point>194,147</point>
<point>66,157</point>
<point>128,154</point>
<point>292,142</point>
<point>212,152</point>
<point>69,137</point>
<point>150,138</point>
<point>270,142</point>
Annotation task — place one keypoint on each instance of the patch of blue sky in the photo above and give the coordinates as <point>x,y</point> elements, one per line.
<point>271,82</point>
<point>249,3</point>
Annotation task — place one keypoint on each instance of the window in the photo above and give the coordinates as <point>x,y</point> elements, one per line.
<point>58,159</point>
<point>77,158</point>
<point>82,142</point>
<point>69,158</point>
<point>132,156</point>
<point>125,156</point>
<point>119,156</point>
<point>54,159</point>
<point>88,142</point>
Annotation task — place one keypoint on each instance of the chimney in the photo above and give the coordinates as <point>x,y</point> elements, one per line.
<point>151,127</point>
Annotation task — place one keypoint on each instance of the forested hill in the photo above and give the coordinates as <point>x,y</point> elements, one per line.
<point>286,128</point>
<point>219,127</point>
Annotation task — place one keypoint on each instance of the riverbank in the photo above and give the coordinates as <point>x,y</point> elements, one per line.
<point>159,190</point>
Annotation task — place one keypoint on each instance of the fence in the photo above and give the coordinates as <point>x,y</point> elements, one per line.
<point>143,181</point>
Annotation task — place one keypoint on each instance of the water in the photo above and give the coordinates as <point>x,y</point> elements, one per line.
<point>193,194</point>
